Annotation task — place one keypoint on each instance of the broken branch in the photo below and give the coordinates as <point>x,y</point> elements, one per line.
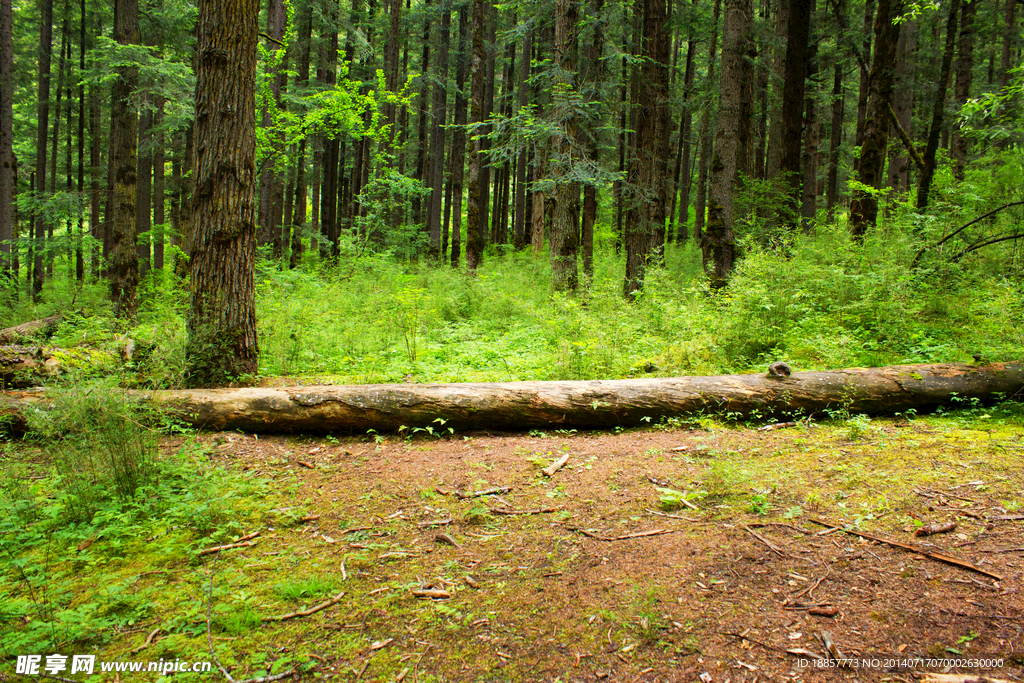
<point>307,612</point>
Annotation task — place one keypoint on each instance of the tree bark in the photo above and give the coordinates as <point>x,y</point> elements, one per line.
<point>707,136</point>
<point>271,187</point>
<point>794,125</point>
<point>870,163</point>
<point>938,110</point>
<point>458,155</point>
<point>123,270</point>
<point>564,243</point>
<point>962,91</point>
<point>835,142</point>
<point>521,237</point>
<point>42,123</point>
<point>602,404</point>
<point>731,160</point>
<point>144,191</point>
<point>476,214</point>
<point>439,113</point>
<point>6,141</point>
<point>646,179</point>
<point>221,322</point>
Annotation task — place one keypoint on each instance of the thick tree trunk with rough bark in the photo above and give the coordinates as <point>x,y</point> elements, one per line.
<point>646,179</point>
<point>731,160</point>
<point>794,127</point>
<point>476,211</point>
<point>565,218</point>
<point>222,343</point>
<point>707,137</point>
<point>123,270</point>
<point>599,404</point>
<point>438,114</point>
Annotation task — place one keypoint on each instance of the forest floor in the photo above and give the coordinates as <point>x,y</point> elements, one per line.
<point>600,571</point>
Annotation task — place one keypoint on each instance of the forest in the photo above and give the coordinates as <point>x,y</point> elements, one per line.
<point>541,340</point>
<point>762,163</point>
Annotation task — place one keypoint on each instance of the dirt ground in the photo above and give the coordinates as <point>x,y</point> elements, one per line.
<point>600,572</point>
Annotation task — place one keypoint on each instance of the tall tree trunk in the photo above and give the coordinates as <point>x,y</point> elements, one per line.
<point>82,106</point>
<point>476,218</point>
<point>835,141</point>
<point>1010,32</point>
<point>707,135</point>
<point>42,127</point>
<point>123,271</point>
<point>144,191</point>
<point>298,217</point>
<point>564,242</point>
<point>962,91</point>
<point>6,141</point>
<point>96,229</point>
<point>731,160</point>
<point>458,155</point>
<point>938,109</point>
<point>159,197</point>
<point>421,173</point>
<point>593,77</point>
<point>903,106</point>
<point>798,33</point>
<point>439,114</point>
<point>222,344</point>
<point>686,143</point>
<point>648,163</point>
<point>809,159</point>
<point>870,162</point>
<point>521,236</point>
<point>271,187</point>
<point>865,74</point>
<point>329,228</point>
<point>778,118</point>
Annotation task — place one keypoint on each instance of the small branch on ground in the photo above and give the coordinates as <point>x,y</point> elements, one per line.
<point>777,425</point>
<point>432,593</point>
<point>638,534</point>
<point>486,492</point>
<point>938,528</point>
<point>753,533</point>
<point>229,546</point>
<point>538,511</point>
<point>556,465</point>
<point>307,612</point>
<point>940,557</point>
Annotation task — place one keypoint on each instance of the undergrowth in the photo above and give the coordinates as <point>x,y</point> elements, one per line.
<point>94,505</point>
<point>818,302</point>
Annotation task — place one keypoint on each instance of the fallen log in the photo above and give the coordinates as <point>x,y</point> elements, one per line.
<point>31,366</point>
<point>33,328</point>
<point>586,404</point>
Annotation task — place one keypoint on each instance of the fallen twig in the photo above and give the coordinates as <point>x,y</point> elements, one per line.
<point>432,593</point>
<point>938,528</point>
<point>149,641</point>
<point>638,534</point>
<point>485,492</point>
<point>307,612</point>
<point>433,522</point>
<point>777,425</point>
<point>753,533</point>
<point>538,511</point>
<point>556,465</point>
<point>243,542</point>
<point>941,557</point>
<point>665,514</point>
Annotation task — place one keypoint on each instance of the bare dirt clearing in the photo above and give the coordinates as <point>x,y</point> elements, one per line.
<point>649,556</point>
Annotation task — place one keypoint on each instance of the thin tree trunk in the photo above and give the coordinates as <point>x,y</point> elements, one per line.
<point>144,191</point>
<point>298,217</point>
<point>564,243</point>
<point>521,236</point>
<point>938,109</point>
<point>686,143</point>
<point>777,119</point>
<point>809,160</point>
<point>82,106</point>
<point>7,231</point>
<point>421,173</point>
<point>439,113</point>
<point>42,127</point>
<point>835,141</point>
<point>456,172</point>
<point>962,91</point>
<point>707,135</point>
<point>865,75</point>
<point>594,77</point>
<point>903,106</point>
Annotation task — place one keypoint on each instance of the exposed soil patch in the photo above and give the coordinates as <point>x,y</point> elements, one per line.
<point>716,593</point>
